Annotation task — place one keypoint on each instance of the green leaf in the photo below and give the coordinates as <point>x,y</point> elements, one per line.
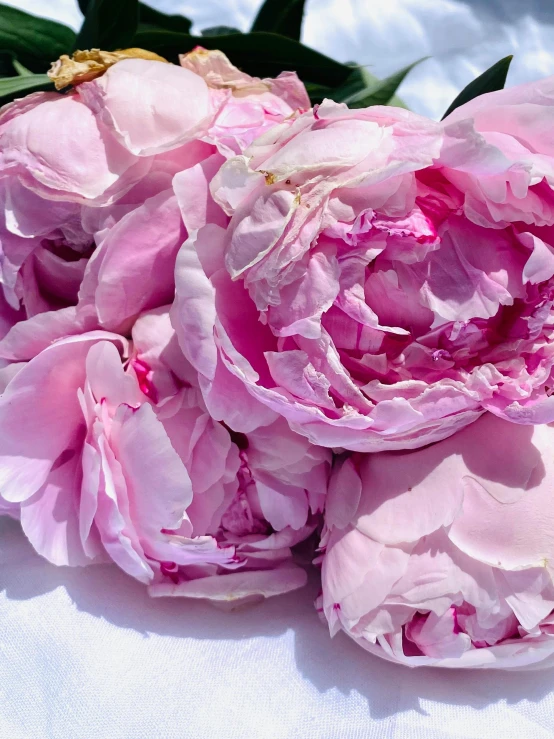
<point>317,92</point>
<point>16,87</point>
<point>109,25</point>
<point>493,79</point>
<point>358,80</point>
<point>20,69</point>
<point>219,31</point>
<point>154,19</point>
<point>259,54</point>
<point>83,5</point>
<point>35,41</point>
<point>380,92</point>
<point>281,16</point>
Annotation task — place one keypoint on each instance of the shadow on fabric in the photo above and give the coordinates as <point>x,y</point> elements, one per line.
<point>338,664</point>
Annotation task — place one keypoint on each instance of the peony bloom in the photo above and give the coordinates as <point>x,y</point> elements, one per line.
<point>258,493</point>
<point>395,276</point>
<point>109,451</point>
<point>89,225</point>
<point>444,555</point>
<point>74,165</point>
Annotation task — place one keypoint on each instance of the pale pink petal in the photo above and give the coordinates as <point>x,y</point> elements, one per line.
<point>151,106</point>
<point>40,415</point>
<point>137,261</point>
<point>236,588</point>
<point>43,140</point>
<point>50,520</point>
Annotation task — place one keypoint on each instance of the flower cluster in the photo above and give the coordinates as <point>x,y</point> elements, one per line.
<point>230,323</point>
<point>108,451</point>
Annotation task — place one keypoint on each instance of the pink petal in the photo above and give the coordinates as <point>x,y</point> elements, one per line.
<point>43,139</point>
<point>40,414</point>
<point>151,106</point>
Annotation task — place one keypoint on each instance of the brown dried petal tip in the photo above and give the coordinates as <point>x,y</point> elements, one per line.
<point>86,65</point>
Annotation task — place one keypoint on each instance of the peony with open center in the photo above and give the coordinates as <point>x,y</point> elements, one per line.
<point>377,278</point>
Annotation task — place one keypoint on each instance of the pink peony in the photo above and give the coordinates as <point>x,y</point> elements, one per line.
<point>378,279</point>
<point>443,556</point>
<point>109,451</point>
<point>72,165</point>
<point>89,225</point>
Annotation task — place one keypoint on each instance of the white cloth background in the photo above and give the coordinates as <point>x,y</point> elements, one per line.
<point>85,654</point>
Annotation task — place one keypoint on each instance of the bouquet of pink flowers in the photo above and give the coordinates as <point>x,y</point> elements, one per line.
<point>235,317</point>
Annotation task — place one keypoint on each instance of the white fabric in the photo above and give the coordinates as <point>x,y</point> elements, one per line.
<point>85,654</point>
